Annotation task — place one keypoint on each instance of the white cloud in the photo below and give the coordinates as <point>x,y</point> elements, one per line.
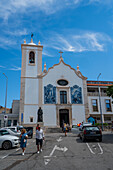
<point>15,68</point>
<point>2,66</point>
<point>87,41</point>
<point>17,32</point>
<point>11,7</point>
<point>25,6</point>
<point>6,42</point>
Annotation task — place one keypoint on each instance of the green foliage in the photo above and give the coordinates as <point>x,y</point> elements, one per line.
<point>99,124</point>
<point>110,91</point>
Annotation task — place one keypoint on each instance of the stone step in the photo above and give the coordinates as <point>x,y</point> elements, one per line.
<point>54,130</point>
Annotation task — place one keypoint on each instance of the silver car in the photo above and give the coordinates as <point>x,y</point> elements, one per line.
<point>8,141</point>
<point>11,131</point>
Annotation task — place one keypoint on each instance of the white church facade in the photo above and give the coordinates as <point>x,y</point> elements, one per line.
<point>61,92</point>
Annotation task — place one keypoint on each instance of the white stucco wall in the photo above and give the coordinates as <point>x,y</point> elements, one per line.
<point>49,115</point>
<point>30,111</point>
<point>31,91</point>
<point>62,71</point>
<point>78,114</point>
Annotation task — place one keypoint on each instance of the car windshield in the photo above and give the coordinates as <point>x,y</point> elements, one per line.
<point>13,131</point>
<point>74,126</point>
<point>92,128</point>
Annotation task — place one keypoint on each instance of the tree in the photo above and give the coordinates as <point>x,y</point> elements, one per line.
<point>110,91</point>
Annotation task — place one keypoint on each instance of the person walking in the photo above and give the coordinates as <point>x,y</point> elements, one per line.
<point>39,139</point>
<point>23,140</point>
<point>37,126</point>
<point>65,129</point>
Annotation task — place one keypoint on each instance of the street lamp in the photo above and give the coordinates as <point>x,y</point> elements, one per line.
<point>100,100</point>
<point>5,95</point>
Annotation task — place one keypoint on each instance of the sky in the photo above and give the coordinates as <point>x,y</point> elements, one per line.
<point>82,29</point>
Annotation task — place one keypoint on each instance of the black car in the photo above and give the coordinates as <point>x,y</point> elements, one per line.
<point>90,132</point>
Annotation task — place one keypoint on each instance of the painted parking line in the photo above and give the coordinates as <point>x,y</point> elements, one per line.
<point>94,146</point>
<point>90,148</point>
<point>100,149</point>
<point>60,139</point>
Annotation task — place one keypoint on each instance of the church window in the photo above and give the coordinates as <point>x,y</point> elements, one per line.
<point>62,82</point>
<point>63,97</point>
<point>31,57</point>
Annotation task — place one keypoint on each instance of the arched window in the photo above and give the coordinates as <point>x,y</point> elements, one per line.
<point>31,57</point>
<point>63,97</point>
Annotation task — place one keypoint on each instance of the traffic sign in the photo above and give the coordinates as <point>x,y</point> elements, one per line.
<point>5,117</point>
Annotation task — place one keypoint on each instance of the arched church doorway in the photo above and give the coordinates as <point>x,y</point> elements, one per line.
<point>63,116</point>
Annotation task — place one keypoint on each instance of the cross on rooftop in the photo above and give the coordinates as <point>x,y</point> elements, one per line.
<point>60,54</point>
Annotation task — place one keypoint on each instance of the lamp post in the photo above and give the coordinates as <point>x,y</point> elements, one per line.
<point>5,96</point>
<point>100,100</point>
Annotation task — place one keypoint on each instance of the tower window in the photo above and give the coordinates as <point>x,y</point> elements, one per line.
<point>31,57</point>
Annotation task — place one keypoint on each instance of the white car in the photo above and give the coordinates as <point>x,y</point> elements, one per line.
<point>15,128</point>
<point>8,141</point>
<point>11,132</point>
<point>75,129</point>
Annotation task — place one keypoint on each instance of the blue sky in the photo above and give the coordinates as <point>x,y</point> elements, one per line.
<point>82,29</point>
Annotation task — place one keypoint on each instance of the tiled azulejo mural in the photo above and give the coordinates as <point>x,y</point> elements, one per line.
<point>49,94</point>
<point>76,95</point>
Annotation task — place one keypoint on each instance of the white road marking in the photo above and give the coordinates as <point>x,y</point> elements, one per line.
<point>62,149</point>
<point>90,148</point>
<point>50,156</point>
<point>60,139</point>
<point>95,148</point>
<point>4,156</point>
<point>55,148</point>
<point>46,161</point>
<point>100,149</point>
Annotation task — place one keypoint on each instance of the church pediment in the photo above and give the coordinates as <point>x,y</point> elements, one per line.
<point>77,72</point>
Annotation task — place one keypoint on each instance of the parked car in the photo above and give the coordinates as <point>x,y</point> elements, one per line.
<point>75,129</point>
<point>90,132</point>
<point>8,141</point>
<point>10,131</point>
<point>85,124</point>
<point>16,128</point>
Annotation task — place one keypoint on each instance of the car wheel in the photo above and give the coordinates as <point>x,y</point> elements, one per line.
<point>7,145</point>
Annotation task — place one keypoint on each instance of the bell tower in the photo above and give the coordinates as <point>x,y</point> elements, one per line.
<point>31,70</point>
